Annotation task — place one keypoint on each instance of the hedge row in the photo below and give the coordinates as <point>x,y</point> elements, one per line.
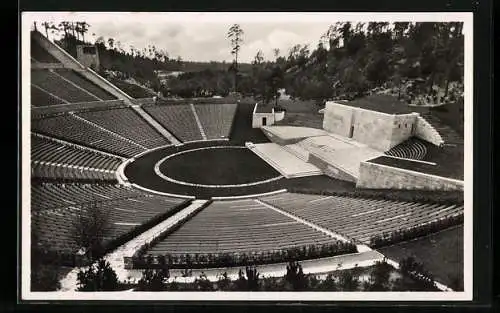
<point>438,197</point>
<point>393,237</point>
<point>196,261</point>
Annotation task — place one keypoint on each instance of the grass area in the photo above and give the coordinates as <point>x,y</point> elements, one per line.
<point>218,167</point>
<point>452,114</point>
<point>450,159</point>
<point>441,254</point>
<point>447,165</point>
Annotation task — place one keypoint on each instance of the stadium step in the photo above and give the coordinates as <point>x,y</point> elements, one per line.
<point>198,122</point>
<point>155,124</point>
<point>75,85</point>
<point>286,163</point>
<point>77,146</point>
<point>107,130</point>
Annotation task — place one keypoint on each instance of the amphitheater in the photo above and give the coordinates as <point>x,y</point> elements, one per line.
<point>191,182</point>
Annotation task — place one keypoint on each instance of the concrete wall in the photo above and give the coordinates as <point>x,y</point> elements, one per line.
<point>257,119</point>
<point>65,58</point>
<point>329,169</point>
<point>425,131</point>
<point>337,118</point>
<point>403,127</point>
<point>373,128</point>
<point>88,60</point>
<point>378,130</point>
<point>279,116</point>
<point>68,61</point>
<point>376,176</point>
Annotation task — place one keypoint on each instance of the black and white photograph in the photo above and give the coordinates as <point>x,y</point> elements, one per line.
<point>246,156</point>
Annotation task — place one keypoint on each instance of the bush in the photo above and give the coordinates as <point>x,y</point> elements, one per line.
<point>248,281</point>
<point>98,278</point>
<point>387,238</point>
<point>251,258</point>
<point>153,280</point>
<point>295,276</point>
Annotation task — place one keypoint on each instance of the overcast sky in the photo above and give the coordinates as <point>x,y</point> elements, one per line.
<point>203,36</point>
<point>208,41</point>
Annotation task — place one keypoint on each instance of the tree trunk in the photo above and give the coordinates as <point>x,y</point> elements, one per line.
<point>446,87</point>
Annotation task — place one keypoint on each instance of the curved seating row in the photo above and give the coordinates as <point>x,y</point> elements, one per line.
<point>360,218</point>
<point>238,226</point>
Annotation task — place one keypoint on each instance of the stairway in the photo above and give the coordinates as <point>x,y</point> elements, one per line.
<point>286,163</point>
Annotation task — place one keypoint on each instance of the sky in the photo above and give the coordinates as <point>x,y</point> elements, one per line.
<point>203,36</point>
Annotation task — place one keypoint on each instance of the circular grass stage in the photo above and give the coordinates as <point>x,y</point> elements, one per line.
<point>219,166</point>
<point>204,170</point>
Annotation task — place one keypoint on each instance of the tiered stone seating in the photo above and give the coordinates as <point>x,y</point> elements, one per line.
<point>54,160</point>
<point>216,119</point>
<point>449,135</point>
<point>40,55</point>
<point>412,148</point>
<point>51,151</point>
<point>125,209</point>
<point>127,123</point>
<point>179,119</point>
<point>85,84</point>
<point>48,195</point>
<point>41,98</point>
<point>64,171</point>
<point>69,127</point>
<point>54,84</point>
<point>237,227</point>
<point>359,218</point>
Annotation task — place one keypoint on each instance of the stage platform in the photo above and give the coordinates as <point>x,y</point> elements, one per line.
<point>283,161</point>
<point>334,155</point>
<point>285,135</point>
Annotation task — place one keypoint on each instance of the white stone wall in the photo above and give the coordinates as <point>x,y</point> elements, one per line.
<point>337,118</point>
<point>88,59</point>
<point>378,130</point>
<point>403,127</point>
<point>373,128</point>
<point>376,176</point>
<point>257,119</point>
<point>425,131</point>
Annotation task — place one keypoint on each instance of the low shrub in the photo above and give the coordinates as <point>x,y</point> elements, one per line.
<point>387,238</point>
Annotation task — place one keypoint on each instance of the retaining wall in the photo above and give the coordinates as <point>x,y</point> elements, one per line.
<point>377,176</point>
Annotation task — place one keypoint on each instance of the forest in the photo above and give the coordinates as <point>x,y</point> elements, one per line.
<point>418,62</point>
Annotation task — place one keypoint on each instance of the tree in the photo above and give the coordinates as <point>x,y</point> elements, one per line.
<point>295,276</point>
<point>223,283</point>
<point>202,283</point>
<point>90,227</point>
<point>349,279</point>
<point>100,277</point>
<point>250,282</point>
<point>48,26</point>
<point>153,280</point>
<point>111,42</point>
<point>235,35</point>
<point>329,283</point>
<point>379,277</point>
